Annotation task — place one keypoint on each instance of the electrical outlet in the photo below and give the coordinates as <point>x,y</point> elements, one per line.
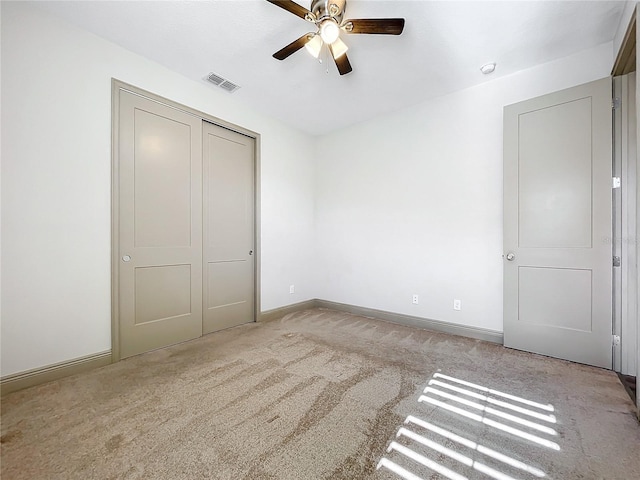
<point>457,304</point>
<point>292,289</point>
<point>415,298</point>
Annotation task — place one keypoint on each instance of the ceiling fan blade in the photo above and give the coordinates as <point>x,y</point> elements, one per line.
<point>342,62</point>
<point>292,7</point>
<point>377,26</point>
<point>293,47</point>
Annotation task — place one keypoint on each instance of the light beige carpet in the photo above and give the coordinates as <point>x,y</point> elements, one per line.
<point>322,394</point>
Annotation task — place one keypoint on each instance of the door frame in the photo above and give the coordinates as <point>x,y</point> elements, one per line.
<point>116,87</point>
<point>627,59</point>
<point>624,216</point>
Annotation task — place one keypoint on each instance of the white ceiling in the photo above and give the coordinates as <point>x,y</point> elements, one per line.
<point>441,50</point>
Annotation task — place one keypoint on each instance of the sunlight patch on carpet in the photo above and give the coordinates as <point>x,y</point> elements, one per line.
<point>460,427</point>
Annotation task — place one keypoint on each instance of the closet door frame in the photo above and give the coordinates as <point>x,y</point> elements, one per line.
<point>118,86</point>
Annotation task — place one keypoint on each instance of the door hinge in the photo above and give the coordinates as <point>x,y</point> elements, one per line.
<point>616,182</point>
<point>616,261</point>
<point>616,340</point>
<point>615,103</point>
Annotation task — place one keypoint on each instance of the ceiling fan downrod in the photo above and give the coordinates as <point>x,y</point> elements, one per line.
<point>322,10</point>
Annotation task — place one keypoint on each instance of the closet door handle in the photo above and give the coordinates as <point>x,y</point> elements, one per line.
<point>250,252</point>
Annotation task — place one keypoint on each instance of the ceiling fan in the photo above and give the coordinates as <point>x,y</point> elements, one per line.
<point>327,15</point>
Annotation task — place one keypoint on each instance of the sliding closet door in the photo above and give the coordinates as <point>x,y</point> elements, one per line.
<point>229,219</point>
<point>160,225</point>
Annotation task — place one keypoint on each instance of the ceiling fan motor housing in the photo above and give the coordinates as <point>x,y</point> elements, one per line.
<point>323,9</point>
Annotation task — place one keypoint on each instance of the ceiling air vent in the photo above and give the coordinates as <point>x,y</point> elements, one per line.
<point>228,86</point>
<point>222,82</point>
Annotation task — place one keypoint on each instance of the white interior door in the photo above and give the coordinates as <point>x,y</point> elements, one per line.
<point>557,224</point>
<point>160,225</point>
<point>229,219</point>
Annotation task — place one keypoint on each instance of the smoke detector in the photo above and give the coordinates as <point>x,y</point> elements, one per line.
<point>488,68</point>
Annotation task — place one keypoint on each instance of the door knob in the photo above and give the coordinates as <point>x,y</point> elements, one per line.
<point>511,256</point>
<point>126,258</point>
<point>250,252</point>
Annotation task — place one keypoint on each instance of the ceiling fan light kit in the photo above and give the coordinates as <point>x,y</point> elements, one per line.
<point>327,16</point>
<point>314,45</point>
<point>329,31</point>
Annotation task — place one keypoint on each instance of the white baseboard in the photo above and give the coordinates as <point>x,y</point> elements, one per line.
<point>37,376</point>
<point>280,312</point>
<point>485,334</point>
